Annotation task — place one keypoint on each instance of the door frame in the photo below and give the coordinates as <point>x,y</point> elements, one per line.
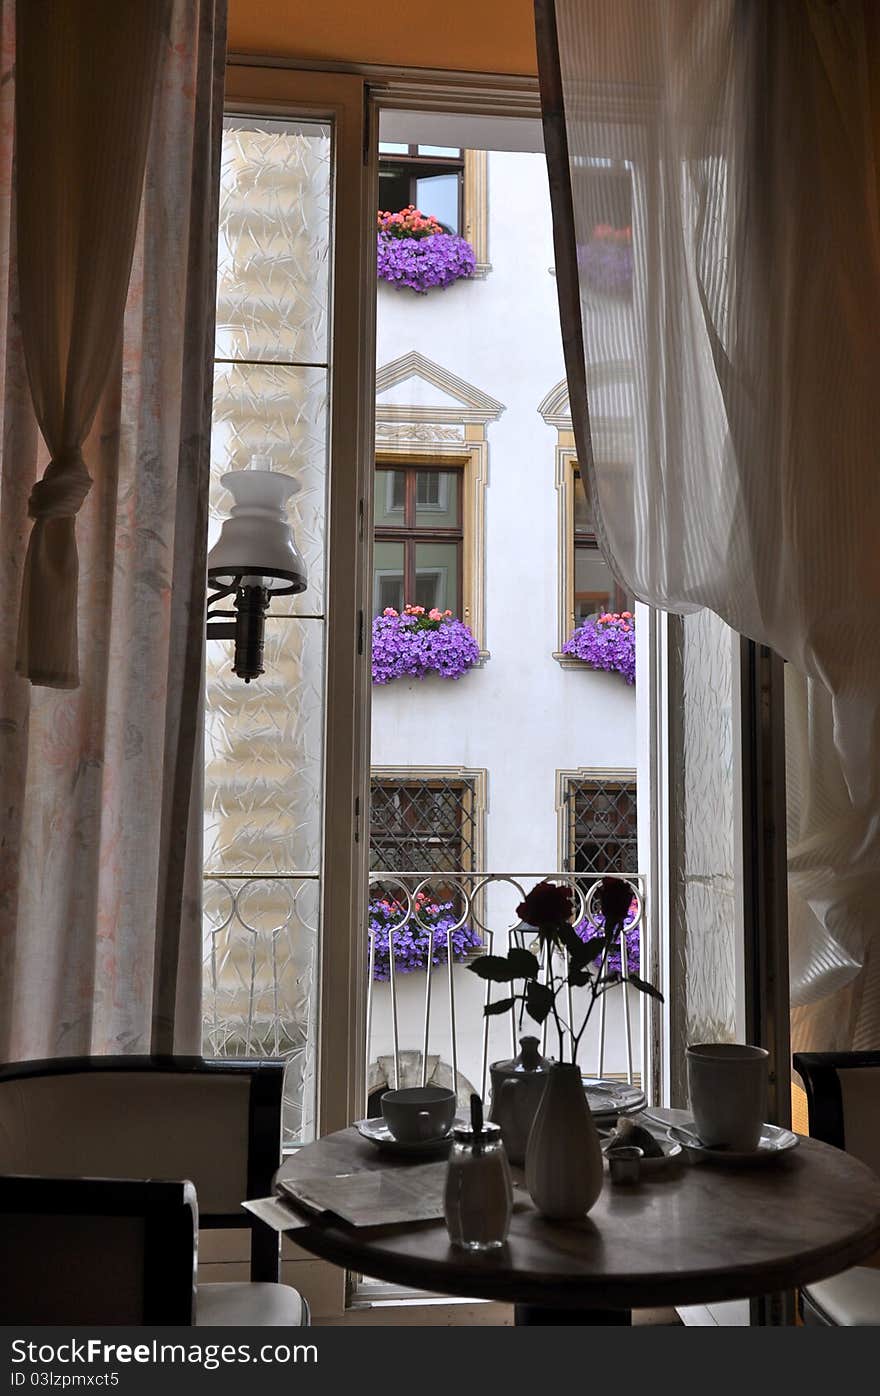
<point>260,89</point>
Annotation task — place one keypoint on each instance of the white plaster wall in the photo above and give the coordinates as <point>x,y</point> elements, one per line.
<point>521,716</point>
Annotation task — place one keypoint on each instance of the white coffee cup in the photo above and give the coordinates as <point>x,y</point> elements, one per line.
<point>727,1082</point>
<point>418,1113</point>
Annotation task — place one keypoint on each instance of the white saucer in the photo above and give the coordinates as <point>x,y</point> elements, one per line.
<point>672,1150</point>
<point>377,1132</point>
<point>773,1142</point>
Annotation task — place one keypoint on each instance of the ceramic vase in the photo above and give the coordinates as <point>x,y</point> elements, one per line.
<point>564,1156</point>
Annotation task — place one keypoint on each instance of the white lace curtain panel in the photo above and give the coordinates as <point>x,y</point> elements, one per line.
<point>732,456</point>
<point>106,337</point>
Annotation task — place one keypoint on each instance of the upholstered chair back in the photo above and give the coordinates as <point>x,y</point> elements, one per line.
<point>843,1097</point>
<point>214,1124</point>
<point>97,1251</point>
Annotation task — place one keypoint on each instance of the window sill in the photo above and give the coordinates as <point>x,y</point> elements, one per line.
<point>568,661</point>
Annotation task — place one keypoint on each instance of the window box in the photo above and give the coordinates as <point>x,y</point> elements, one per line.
<point>417,642</point>
<point>415,251</point>
<point>606,642</point>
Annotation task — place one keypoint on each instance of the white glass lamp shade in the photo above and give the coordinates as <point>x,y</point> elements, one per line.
<point>256,543</point>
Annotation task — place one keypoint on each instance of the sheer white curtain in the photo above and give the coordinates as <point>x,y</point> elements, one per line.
<point>735,463</point>
<point>100,822</point>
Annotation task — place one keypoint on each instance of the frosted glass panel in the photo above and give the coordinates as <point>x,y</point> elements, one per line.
<point>261,974</point>
<point>264,747</point>
<point>273,252</point>
<point>705,914</point>
<point>264,755</point>
<point>281,412</point>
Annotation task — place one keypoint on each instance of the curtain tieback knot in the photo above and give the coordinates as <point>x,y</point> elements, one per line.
<point>64,486</point>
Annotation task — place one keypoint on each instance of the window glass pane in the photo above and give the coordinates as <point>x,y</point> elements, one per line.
<point>392,148</point>
<point>437,499</point>
<point>422,824</point>
<point>442,151</point>
<point>394,187</point>
<point>264,754</point>
<point>601,819</point>
<point>274,241</point>
<point>389,498</point>
<point>279,411</point>
<point>437,576</point>
<point>583,514</point>
<point>438,195</point>
<point>593,584</point>
<point>261,981</point>
<point>388,577</point>
<point>264,759</point>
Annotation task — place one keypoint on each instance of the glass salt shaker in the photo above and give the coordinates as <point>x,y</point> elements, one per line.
<point>479,1192</point>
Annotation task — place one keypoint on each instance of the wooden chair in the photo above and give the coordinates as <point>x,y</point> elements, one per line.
<point>215,1124</point>
<point>843,1100</point>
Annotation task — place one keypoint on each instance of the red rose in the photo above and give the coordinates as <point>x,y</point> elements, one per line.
<point>615,898</point>
<point>548,904</point>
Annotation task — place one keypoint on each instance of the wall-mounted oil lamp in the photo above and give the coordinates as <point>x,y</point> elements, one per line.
<point>254,559</point>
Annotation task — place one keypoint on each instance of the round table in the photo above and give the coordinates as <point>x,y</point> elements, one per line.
<point>691,1234</point>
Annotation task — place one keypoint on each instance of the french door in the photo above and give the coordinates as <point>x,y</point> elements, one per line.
<point>287,758</point>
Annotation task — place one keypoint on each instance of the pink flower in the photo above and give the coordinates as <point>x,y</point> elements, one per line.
<point>434,614</point>
<point>389,611</point>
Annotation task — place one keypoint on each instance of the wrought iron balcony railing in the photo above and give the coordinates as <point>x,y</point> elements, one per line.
<point>484,903</point>
<point>260,978</point>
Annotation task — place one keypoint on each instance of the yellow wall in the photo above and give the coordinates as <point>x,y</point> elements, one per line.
<point>480,36</point>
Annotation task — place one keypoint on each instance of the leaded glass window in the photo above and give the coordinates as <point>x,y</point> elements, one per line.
<point>425,823</point>
<point>600,825</point>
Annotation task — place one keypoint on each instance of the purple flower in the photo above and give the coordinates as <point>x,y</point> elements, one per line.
<point>606,266</point>
<point>388,920</point>
<point>606,642</point>
<point>422,263</point>
<point>406,646</point>
<point>588,931</point>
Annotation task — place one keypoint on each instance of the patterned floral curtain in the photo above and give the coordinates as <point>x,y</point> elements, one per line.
<point>100,839</point>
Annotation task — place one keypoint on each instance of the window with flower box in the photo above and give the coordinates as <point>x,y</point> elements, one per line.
<point>417,558</point>
<point>431,177</point>
<point>598,818</point>
<point>594,588</point>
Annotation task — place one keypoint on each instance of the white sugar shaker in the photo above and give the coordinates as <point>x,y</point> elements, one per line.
<point>479,1191</point>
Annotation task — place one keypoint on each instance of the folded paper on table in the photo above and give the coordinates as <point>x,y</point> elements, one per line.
<point>277,1213</point>
<point>375,1197</point>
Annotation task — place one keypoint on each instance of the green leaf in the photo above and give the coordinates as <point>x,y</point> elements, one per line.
<point>499,1006</point>
<point>494,967</point>
<point>645,987</point>
<point>523,963</point>
<point>539,1000</point>
<point>609,979</point>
